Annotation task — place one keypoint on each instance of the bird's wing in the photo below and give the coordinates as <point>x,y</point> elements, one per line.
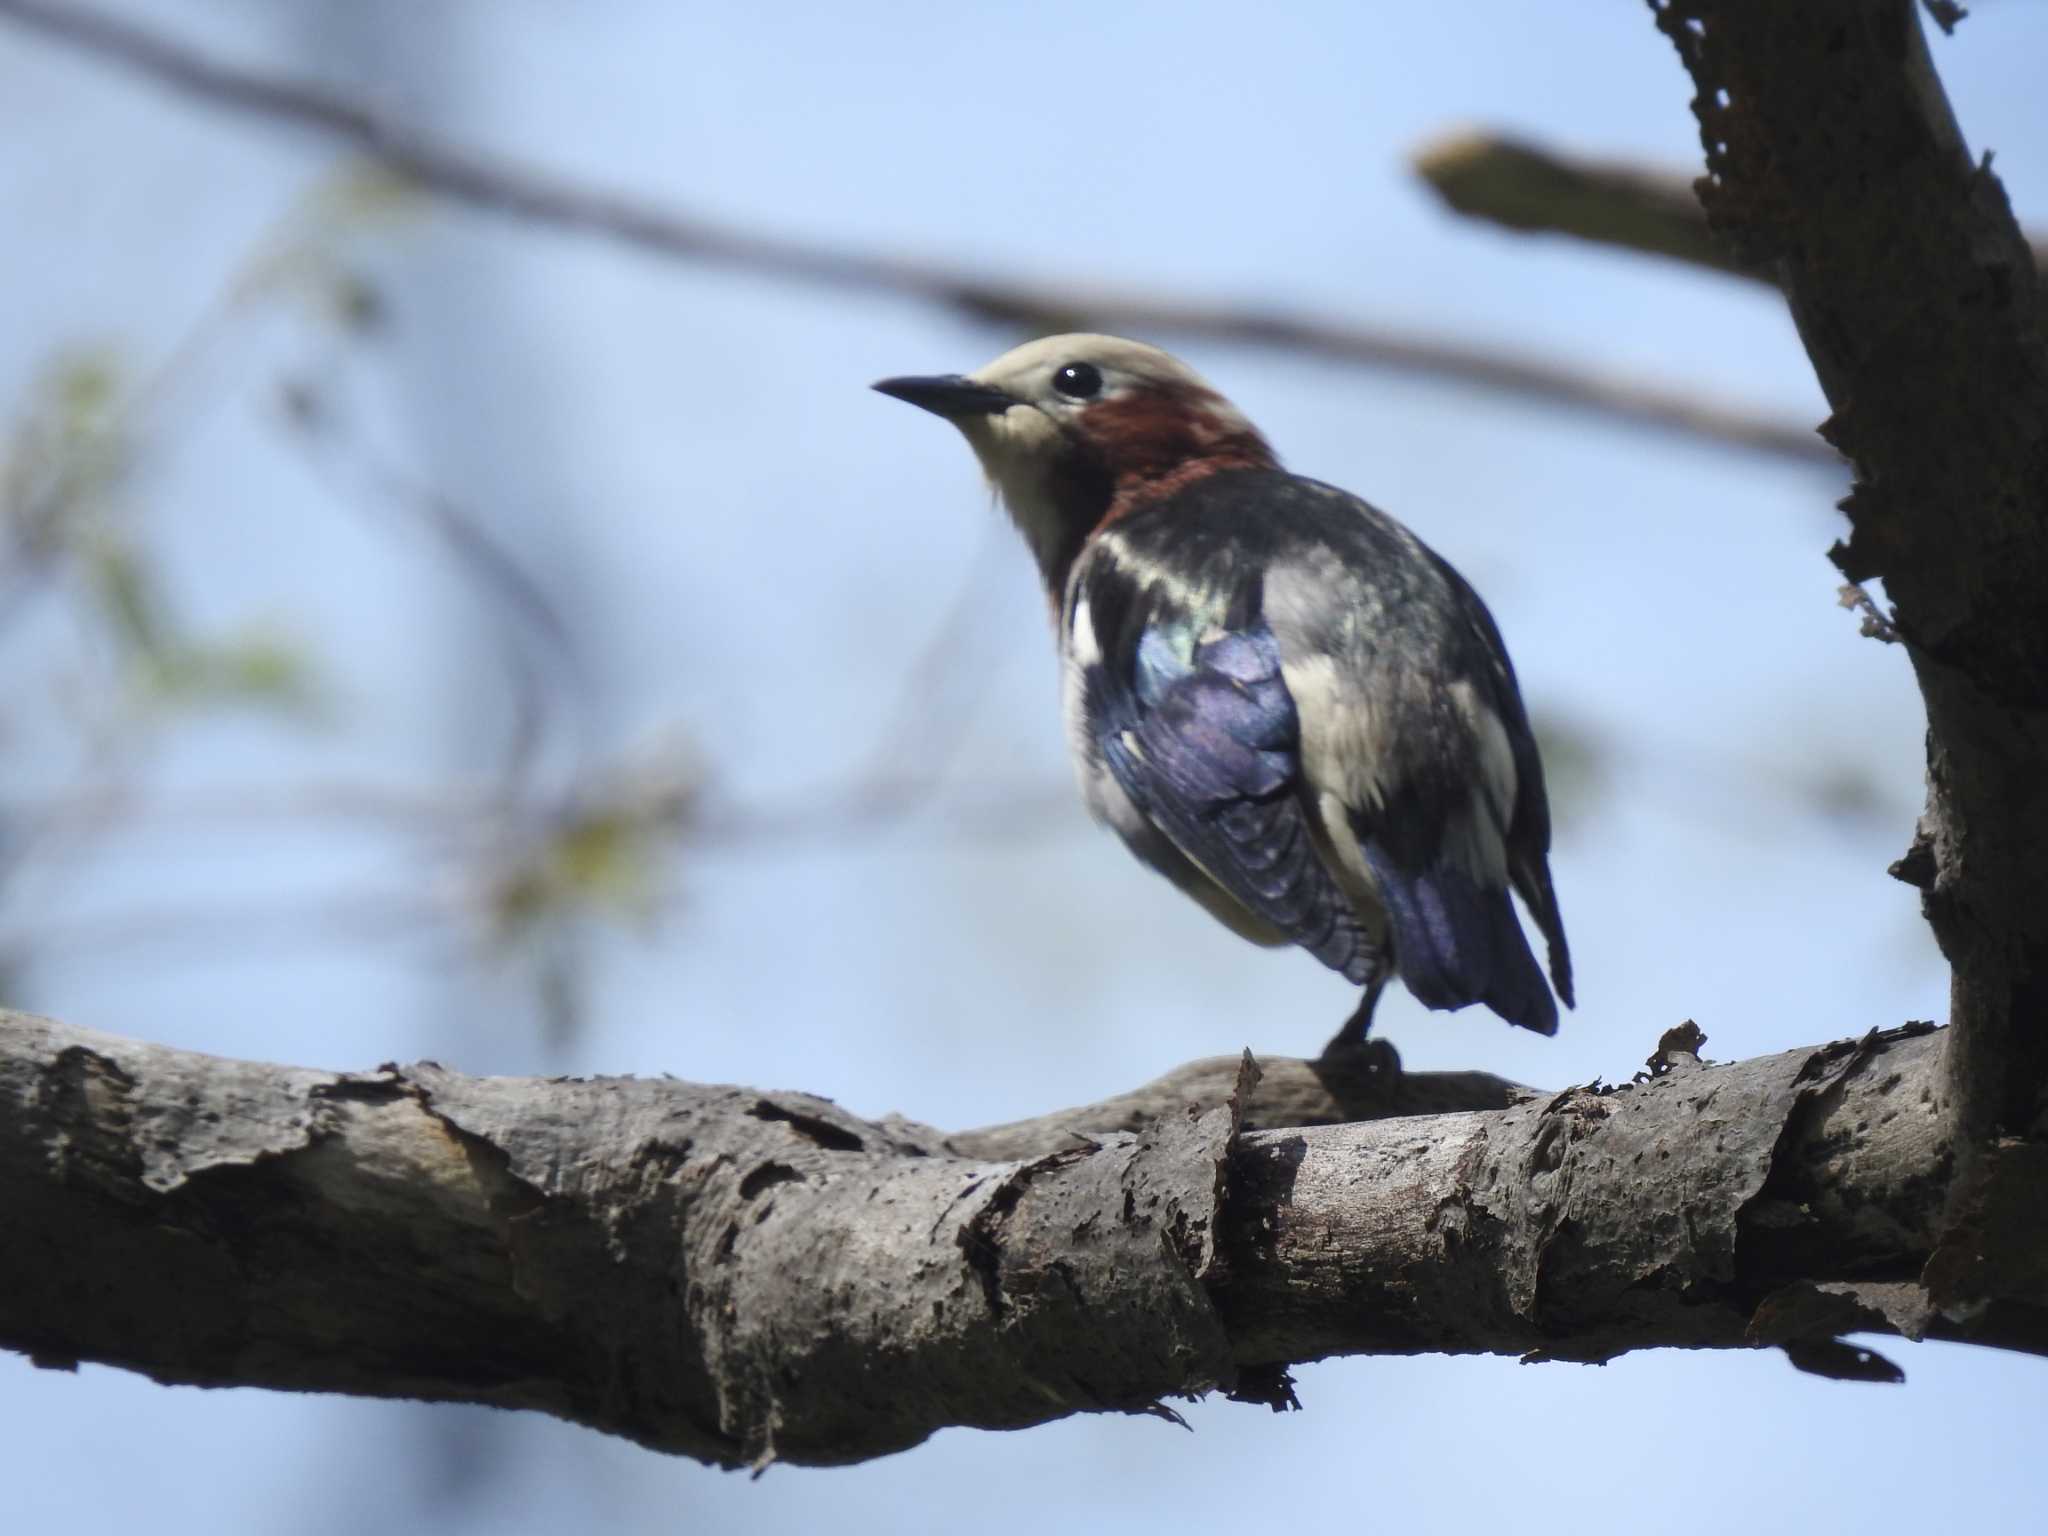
<point>1416,742</point>
<point>1527,830</point>
<point>1201,734</point>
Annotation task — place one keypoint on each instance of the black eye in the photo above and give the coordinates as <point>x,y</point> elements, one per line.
<point>1078,381</point>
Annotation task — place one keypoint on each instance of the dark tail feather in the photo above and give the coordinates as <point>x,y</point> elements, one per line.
<point>1533,881</point>
<point>1518,992</point>
<point>1456,943</point>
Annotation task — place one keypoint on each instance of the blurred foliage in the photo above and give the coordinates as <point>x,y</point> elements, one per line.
<point>596,858</point>
<point>64,456</point>
<point>364,198</point>
<point>310,255</point>
<point>602,856</point>
<point>66,467</point>
<point>168,670</point>
<point>62,486</point>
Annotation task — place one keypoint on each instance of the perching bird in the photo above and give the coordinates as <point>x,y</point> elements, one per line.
<point>1279,697</point>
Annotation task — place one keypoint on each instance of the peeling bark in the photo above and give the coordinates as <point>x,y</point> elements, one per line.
<point>743,1276</point>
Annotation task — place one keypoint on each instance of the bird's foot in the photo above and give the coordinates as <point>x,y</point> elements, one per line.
<point>1375,1058</point>
<point>1352,1036</point>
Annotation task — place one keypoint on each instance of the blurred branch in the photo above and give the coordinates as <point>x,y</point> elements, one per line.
<point>524,193</point>
<point>226,931</point>
<point>545,671</point>
<point>747,1277</point>
<point>81,442</point>
<point>214,810</point>
<point>68,463</point>
<point>1632,207</point>
<point>894,788</point>
<point>935,702</point>
<point>1512,183</point>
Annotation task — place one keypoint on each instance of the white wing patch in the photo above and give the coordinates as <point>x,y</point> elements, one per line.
<point>1079,650</point>
<point>1346,750</point>
<point>1083,646</point>
<point>1340,746</point>
<point>1478,839</point>
<point>1341,734</point>
<point>1497,779</point>
<point>1190,597</point>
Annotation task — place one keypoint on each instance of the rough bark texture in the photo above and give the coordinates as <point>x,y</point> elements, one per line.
<point>1832,155</point>
<point>1342,1085</point>
<point>744,1276</point>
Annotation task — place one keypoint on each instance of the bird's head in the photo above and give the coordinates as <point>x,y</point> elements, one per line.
<point>1076,430</point>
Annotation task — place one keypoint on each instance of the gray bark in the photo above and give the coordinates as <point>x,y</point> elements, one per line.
<point>743,1276</point>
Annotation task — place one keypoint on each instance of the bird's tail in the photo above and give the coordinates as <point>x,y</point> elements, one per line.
<point>1532,879</point>
<point>1457,942</point>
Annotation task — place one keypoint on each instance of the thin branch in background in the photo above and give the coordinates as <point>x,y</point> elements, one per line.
<point>997,813</point>
<point>442,845</point>
<point>545,667</point>
<point>70,461</point>
<point>1629,207</point>
<point>356,807</point>
<point>524,193</point>
<point>534,871</point>
<point>224,931</point>
<point>935,704</point>
<point>1521,187</point>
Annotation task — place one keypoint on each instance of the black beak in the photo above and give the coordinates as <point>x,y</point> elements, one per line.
<point>949,395</point>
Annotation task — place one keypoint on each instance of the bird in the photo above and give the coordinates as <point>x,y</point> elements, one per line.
<point>1278,696</point>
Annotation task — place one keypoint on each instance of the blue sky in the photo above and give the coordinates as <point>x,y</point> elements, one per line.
<point>751,546</point>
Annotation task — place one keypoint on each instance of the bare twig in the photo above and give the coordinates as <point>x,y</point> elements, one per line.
<point>1632,207</point>
<point>524,193</point>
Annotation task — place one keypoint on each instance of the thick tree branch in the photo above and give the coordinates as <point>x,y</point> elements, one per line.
<point>524,193</point>
<point>742,1276</point>
<point>1631,207</point>
<point>1348,1084</point>
<point>1832,155</point>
